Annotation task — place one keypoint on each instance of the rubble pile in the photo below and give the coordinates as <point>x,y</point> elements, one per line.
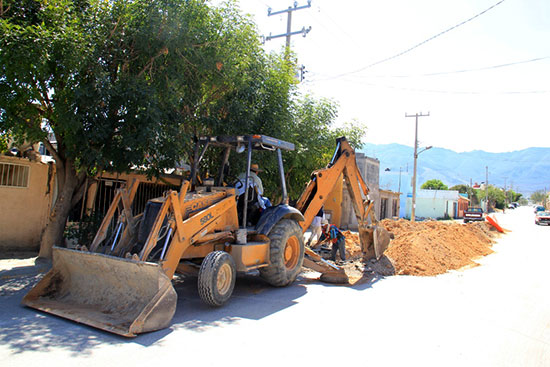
<point>431,248</point>
<point>353,245</point>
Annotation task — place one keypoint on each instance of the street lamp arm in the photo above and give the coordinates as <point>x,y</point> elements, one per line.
<point>423,150</point>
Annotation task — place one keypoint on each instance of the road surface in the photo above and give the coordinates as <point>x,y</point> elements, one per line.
<point>496,314</point>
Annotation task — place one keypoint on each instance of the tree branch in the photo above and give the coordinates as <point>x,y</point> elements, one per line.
<point>149,65</point>
<point>79,192</point>
<point>52,150</point>
<point>59,162</point>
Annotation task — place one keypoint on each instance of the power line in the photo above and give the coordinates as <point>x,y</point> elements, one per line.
<point>433,91</point>
<point>492,67</point>
<point>463,70</point>
<point>418,44</point>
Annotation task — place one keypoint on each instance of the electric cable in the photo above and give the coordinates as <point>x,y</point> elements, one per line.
<point>418,44</point>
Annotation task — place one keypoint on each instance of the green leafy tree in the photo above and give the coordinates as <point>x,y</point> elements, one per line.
<point>314,135</point>
<point>538,197</point>
<point>434,184</point>
<point>119,84</point>
<point>4,140</point>
<point>523,201</point>
<point>513,196</point>
<point>309,124</point>
<point>463,189</point>
<point>112,85</point>
<point>496,197</point>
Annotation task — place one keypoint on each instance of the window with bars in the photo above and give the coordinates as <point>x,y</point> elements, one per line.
<point>14,175</point>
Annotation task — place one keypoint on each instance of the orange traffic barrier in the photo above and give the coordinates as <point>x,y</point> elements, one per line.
<point>493,221</point>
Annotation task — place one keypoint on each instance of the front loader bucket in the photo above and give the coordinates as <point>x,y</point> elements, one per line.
<point>122,296</point>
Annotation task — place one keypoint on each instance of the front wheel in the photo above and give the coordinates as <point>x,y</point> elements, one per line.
<point>217,278</point>
<point>286,254</point>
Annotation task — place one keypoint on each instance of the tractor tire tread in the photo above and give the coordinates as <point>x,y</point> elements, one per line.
<point>276,273</point>
<point>208,275</point>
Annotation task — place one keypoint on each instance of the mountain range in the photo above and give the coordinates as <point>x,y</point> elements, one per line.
<point>525,171</point>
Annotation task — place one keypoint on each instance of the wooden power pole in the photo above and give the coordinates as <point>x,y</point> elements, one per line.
<point>304,31</point>
<point>416,153</point>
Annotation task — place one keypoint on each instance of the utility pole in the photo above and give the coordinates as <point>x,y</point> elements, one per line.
<point>505,196</point>
<point>399,189</point>
<point>486,189</point>
<point>304,31</point>
<point>470,194</point>
<point>416,153</point>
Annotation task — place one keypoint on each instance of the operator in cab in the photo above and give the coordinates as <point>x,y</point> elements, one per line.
<point>253,181</point>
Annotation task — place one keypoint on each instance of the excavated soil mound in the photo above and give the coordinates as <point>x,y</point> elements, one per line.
<point>420,248</point>
<point>353,245</point>
<point>431,248</point>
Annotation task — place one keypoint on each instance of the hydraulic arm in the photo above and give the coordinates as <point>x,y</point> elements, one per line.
<point>374,239</point>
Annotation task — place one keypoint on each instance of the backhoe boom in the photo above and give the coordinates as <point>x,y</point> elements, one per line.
<point>374,239</point>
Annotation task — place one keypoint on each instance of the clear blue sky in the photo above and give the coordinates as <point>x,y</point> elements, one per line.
<point>459,77</point>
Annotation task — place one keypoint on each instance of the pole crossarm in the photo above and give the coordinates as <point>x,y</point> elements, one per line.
<point>304,31</point>
<point>289,32</point>
<point>290,9</point>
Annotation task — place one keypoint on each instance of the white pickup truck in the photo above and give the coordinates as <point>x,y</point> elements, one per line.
<point>473,214</point>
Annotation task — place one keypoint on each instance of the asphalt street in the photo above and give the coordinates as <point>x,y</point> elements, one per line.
<point>495,314</point>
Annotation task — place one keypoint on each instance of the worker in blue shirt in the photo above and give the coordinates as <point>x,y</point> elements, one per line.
<point>332,234</point>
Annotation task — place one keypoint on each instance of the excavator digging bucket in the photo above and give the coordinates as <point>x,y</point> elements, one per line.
<point>374,241</point>
<point>367,242</point>
<point>381,241</point>
<point>122,296</point>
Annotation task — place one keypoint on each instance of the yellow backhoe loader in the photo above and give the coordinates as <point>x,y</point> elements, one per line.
<point>122,282</point>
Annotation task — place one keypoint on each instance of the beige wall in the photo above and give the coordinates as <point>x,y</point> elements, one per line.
<point>23,210</point>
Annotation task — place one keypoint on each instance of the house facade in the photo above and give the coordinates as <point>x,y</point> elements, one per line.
<point>436,204</point>
<point>389,204</point>
<point>27,191</point>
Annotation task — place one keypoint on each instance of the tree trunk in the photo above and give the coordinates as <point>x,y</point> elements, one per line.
<point>55,226</point>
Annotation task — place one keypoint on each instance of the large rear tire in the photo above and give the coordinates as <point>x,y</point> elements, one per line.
<point>286,254</point>
<point>217,276</point>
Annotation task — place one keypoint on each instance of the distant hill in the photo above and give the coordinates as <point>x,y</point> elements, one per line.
<point>527,170</point>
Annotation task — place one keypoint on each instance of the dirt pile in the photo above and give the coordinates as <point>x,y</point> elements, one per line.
<point>420,248</point>
<point>431,248</point>
<point>353,245</point>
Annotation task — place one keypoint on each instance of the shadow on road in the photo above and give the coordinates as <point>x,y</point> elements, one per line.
<point>24,329</point>
<point>252,299</point>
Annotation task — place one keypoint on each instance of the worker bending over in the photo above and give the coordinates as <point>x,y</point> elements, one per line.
<point>332,234</point>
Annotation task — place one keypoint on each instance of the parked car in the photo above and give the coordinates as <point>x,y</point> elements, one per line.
<point>473,214</point>
<point>539,208</point>
<point>542,217</point>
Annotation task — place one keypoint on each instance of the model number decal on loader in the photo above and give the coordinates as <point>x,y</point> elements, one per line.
<point>206,218</point>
